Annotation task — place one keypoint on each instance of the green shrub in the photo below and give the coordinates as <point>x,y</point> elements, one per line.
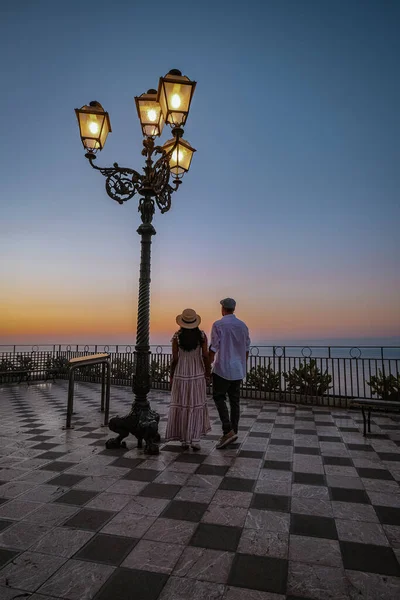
<point>386,387</point>
<point>159,373</point>
<point>59,362</point>
<point>263,378</point>
<point>24,362</point>
<point>121,368</point>
<point>308,379</point>
<point>6,365</point>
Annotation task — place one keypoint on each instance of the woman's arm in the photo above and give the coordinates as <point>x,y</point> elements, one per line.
<point>206,359</point>
<point>175,357</point>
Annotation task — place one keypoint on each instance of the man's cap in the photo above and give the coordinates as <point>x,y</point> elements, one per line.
<point>228,303</point>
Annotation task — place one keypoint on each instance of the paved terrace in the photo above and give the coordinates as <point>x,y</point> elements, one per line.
<point>302,507</point>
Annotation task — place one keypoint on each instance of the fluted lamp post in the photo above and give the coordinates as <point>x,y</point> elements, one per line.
<point>164,168</point>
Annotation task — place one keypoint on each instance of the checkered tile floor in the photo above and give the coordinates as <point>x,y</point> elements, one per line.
<point>302,507</point>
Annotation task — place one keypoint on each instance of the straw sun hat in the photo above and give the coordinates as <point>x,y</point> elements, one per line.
<point>188,319</point>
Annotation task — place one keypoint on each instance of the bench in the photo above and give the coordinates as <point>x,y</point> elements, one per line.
<point>20,373</point>
<point>369,405</point>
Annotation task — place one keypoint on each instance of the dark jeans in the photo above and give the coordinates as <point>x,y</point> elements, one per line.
<point>222,387</point>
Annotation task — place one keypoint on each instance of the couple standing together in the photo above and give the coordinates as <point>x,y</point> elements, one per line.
<point>192,362</point>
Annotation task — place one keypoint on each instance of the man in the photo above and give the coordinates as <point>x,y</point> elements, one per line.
<point>230,344</point>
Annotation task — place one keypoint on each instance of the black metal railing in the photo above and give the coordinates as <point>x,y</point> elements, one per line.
<point>326,375</point>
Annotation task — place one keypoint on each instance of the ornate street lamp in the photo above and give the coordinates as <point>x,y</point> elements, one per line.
<point>163,170</point>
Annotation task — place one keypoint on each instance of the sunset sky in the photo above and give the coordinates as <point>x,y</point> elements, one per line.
<point>292,203</point>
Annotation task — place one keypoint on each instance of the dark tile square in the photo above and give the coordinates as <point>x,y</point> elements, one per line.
<point>265,420</point>
<point>40,438</point>
<point>192,458</point>
<point>259,434</point>
<point>110,549</point>
<point>132,583</point>
<point>66,480</point>
<point>117,452</point>
<point>237,484</point>
<point>57,466</point>
<point>141,475</point>
<point>375,474</point>
<point>280,465</point>
<point>261,573</point>
<point>76,497</point>
<point>284,425</point>
<point>127,463</point>
<point>212,470</point>
<point>6,556</point>
<point>89,519</point>
<point>340,461</point>
<point>3,500</point>
<point>306,431</point>
<point>173,448</point>
<point>251,454</point>
<point>306,450</point>
<point>312,526</point>
<point>349,429</point>
<point>360,447</point>
<point>329,438</point>
<point>160,490</point>
<point>4,524</point>
<point>271,502</point>
<point>276,442</point>
<point>347,495</point>
<point>369,558</point>
<point>86,428</point>
<point>44,446</point>
<point>216,537</point>
<point>185,511</point>
<point>36,431</point>
<point>52,455</point>
<point>388,515</point>
<point>309,478</point>
<point>389,456</point>
<point>94,436</point>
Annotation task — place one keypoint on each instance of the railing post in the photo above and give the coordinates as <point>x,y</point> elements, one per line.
<point>103,386</point>
<point>70,405</point>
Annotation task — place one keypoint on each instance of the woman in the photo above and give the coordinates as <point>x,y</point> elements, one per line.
<point>188,418</point>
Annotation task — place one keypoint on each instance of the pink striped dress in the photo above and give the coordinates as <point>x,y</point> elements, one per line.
<point>188,418</point>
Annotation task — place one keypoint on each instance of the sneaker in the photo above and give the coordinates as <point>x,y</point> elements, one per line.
<point>226,439</point>
<point>196,447</point>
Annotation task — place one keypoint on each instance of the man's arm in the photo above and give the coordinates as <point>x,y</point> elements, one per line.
<point>214,343</point>
<point>248,342</point>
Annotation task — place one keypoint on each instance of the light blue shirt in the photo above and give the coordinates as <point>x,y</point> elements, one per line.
<point>230,341</point>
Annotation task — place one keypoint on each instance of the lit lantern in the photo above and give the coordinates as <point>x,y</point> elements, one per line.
<point>181,156</point>
<point>94,126</point>
<point>150,114</point>
<point>175,93</point>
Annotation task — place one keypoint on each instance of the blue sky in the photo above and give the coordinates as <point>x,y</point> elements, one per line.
<point>292,202</point>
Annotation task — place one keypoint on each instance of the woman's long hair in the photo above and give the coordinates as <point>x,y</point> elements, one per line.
<point>189,339</point>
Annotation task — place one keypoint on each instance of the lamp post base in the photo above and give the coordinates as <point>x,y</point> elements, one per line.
<point>142,422</point>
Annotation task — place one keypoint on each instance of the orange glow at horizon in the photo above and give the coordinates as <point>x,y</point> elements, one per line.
<point>57,317</point>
